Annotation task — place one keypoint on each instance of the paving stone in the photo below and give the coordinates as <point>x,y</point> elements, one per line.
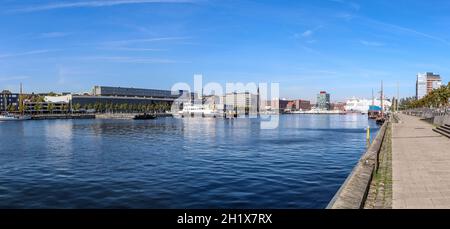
<point>420,165</point>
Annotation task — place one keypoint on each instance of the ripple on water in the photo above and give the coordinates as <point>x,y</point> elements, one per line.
<point>171,163</point>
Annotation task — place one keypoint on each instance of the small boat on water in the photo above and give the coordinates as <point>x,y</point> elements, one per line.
<point>374,112</point>
<point>319,111</point>
<point>198,111</point>
<point>144,117</point>
<point>15,117</point>
<point>380,121</point>
<point>11,117</point>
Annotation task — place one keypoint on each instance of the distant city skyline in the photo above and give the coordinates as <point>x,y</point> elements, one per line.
<point>343,47</point>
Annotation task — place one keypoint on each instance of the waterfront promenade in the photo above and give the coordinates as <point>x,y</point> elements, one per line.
<point>421,165</point>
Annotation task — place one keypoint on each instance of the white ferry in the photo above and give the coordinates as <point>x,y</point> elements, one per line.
<point>318,111</point>
<point>10,117</point>
<point>362,105</point>
<point>198,111</point>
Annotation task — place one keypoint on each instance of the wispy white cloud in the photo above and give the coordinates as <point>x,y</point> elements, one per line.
<point>53,35</point>
<point>401,29</point>
<point>310,50</point>
<point>345,16</point>
<point>139,28</point>
<point>307,33</point>
<point>371,43</point>
<point>133,49</point>
<point>91,4</point>
<point>145,40</point>
<point>132,60</point>
<point>352,5</point>
<point>34,52</point>
<point>13,78</point>
<point>140,45</point>
<point>63,74</point>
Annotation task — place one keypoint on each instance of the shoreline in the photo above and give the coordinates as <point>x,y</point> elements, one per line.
<point>132,115</point>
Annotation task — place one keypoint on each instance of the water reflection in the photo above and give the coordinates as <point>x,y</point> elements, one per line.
<point>178,163</point>
<point>58,136</point>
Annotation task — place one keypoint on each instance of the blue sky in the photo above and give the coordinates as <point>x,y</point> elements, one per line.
<point>341,46</point>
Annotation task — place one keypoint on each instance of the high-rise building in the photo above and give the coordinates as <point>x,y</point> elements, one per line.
<point>323,101</point>
<point>427,82</point>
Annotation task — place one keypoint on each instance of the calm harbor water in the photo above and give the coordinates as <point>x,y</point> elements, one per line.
<point>173,163</point>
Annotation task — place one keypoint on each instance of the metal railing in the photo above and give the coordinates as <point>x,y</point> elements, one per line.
<point>428,112</point>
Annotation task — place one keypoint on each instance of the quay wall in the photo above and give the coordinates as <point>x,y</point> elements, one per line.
<point>91,116</point>
<point>126,115</point>
<point>441,120</point>
<point>353,193</point>
<point>62,116</point>
<point>115,116</point>
<point>437,117</point>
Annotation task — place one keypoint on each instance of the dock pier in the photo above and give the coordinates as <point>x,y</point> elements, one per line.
<point>126,116</point>
<point>406,167</point>
<point>62,116</point>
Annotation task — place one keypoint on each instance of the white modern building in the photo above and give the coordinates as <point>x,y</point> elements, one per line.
<point>363,105</point>
<point>427,82</point>
<point>58,99</point>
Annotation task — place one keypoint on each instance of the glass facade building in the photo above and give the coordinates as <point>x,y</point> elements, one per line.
<point>134,92</point>
<point>323,101</point>
<point>87,100</point>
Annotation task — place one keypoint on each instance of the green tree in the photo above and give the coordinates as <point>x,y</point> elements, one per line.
<point>11,108</point>
<point>152,107</point>
<point>21,104</point>
<point>40,99</point>
<point>123,107</point>
<point>38,107</point>
<point>76,107</point>
<point>51,107</point>
<point>64,108</point>
<point>97,106</point>
<point>435,99</point>
<point>102,108</point>
<point>167,107</point>
<point>108,107</point>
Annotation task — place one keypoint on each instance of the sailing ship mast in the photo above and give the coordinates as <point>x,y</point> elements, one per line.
<point>382,105</point>
<point>258,103</point>
<point>373,99</point>
<point>21,106</point>
<point>398,96</point>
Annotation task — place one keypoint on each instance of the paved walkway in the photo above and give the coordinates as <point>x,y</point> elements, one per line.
<point>420,165</point>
